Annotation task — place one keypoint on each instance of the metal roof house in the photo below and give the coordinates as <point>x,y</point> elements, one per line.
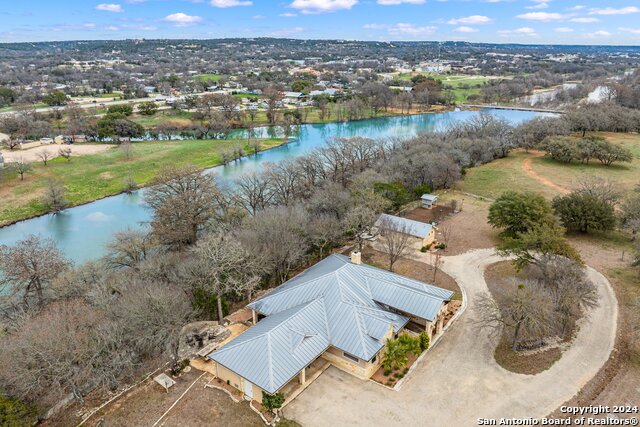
<point>339,310</point>
<point>428,200</point>
<point>423,231</point>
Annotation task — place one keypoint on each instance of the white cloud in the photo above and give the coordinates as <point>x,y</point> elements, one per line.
<point>410,29</point>
<point>110,7</point>
<point>584,20</point>
<point>182,19</point>
<point>611,11</point>
<point>600,33</point>
<point>630,30</point>
<point>288,15</point>
<point>322,6</point>
<point>230,3</point>
<point>403,29</point>
<point>539,4</point>
<point>471,20</point>
<point>396,2</point>
<point>541,16</point>
<point>564,30</point>
<point>465,29</point>
<point>112,28</point>
<point>523,31</point>
<point>577,7</point>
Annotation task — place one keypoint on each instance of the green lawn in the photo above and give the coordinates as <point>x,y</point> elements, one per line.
<point>208,77</point>
<point>461,86</point>
<point>163,116</point>
<point>91,177</point>
<point>494,178</point>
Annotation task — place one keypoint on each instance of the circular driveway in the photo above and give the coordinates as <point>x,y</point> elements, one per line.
<point>458,381</point>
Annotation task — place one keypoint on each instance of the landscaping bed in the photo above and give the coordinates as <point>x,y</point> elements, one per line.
<point>521,362</point>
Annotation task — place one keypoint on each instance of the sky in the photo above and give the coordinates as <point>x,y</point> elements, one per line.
<point>608,22</point>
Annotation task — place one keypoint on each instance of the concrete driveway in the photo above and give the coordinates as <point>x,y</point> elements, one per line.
<point>459,380</point>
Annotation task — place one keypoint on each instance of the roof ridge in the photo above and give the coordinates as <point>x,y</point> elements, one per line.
<point>384,279</point>
<point>300,307</point>
<point>284,291</point>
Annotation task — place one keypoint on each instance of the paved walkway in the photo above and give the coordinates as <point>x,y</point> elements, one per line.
<point>459,381</point>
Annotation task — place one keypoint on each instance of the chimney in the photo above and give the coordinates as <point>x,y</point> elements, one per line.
<point>356,257</point>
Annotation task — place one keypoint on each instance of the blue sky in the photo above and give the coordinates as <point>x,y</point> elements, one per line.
<point>500,21</point>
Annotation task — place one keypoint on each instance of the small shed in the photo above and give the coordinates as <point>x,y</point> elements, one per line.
<point>165,381</point>
<point>428,200</point>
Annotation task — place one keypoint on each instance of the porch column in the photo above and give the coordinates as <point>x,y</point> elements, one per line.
<point>303,376</point>
<point>429,329</point>
<point>254,317</point>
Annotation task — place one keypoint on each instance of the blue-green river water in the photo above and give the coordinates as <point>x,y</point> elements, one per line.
<point>82,232</point>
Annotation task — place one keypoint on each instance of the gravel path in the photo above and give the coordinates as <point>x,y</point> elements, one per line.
<point>459,380</point>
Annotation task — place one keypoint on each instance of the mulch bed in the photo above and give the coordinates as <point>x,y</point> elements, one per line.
<point>395,376</point>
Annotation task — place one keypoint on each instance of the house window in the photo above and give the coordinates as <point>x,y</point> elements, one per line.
<point>350,357</point>
<point>374,359</point>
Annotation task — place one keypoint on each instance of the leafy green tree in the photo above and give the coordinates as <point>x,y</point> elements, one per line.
<point>396,192</point>
<point>303,86</point>
<point>519,212</point>
<point>124,109</point>
<point>55,98</point>
<point>14,413</point>
<point>561,148</point>
<point>585,213</point>
<point>424,340</point>
<point>7,96</point>
<point>395,356</point>
<point>148,108</point>
<point>272,401</point>
<point>537,246</point>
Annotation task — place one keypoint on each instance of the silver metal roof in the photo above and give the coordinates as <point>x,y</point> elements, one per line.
<point>411,227</point>
<point>431,197</point>
<point>334,303</point>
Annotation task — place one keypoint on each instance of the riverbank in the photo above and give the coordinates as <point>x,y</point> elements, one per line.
<point>96,176</point>
<point>310,116</point>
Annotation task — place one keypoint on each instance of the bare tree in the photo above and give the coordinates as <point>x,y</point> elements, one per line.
<point>65,153</point>
<point>395,240</point>
<point>520,309</point>
<point>324,231</point>
<point>358,222</point>
<point>253,192</point>
<point>29,267</point>
<point>44,156</point>
<point>52,354</point>
<point>54,197</point>
<point>128,248</point>
<point>277,236</point>
<point>127,149</point>
<point>220,265</point>
<point>447,232</point>
<point>21,167</point>
<point>183,201</point>
<point>151,315</point>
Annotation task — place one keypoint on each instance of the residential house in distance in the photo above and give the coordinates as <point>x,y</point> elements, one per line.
<point>424,233</point>
<point>339,312</point>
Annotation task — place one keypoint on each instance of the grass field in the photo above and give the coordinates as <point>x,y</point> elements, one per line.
<point>91,177</point>
<point>493,179</point>
<point>461,86</point>
<point>208,77</point>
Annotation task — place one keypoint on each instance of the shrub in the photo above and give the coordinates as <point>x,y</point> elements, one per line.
<point>424,340</point>
<point>441,245</point>
<point>14,413</point>
<point>424,249</point>
<point>584,213</point>
<point>406,370</point>
<point>272,401</point>
<point>386,372</point>
<point>519,212</point>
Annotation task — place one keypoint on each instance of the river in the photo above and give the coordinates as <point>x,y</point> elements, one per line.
<point>82,232</point>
